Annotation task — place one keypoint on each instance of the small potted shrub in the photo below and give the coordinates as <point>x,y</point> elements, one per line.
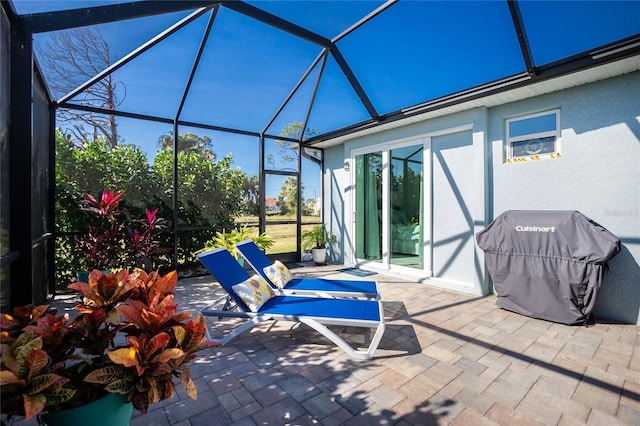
<point>317,239</point>
<point>128,340</point>
<point>229,240</point>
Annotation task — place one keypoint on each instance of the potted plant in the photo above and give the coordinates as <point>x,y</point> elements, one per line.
<point>317,239</point>
<point>128,339</point>
<point>229,239</point>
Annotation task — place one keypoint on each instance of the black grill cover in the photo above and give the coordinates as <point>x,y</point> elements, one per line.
<point>547,264</point>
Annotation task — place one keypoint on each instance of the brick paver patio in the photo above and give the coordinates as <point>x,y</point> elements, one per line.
<point>445,358</point>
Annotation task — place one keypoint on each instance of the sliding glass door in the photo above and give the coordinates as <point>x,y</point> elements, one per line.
<point>407,207</point>
<point>369,204</point>
<point>389,207</point>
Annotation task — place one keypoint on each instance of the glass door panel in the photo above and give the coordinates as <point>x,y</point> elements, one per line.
<point>281,201</point>
<point>284,238</point>
<point>407,211</point>
<point>369,206</point>
<point>311,175</point>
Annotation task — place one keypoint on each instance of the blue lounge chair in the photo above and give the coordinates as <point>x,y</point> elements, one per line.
<point>316,312</point>
<point>359,289</point>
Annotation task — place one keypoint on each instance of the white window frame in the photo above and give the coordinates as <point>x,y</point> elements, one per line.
<point>551,133</point>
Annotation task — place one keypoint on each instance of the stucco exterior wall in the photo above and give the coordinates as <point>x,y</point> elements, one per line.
<point>334,206</point>
<point>458,152</point>
<point>598,175</point>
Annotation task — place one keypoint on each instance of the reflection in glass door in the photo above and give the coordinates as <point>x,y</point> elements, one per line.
<point>369,207</point>
<point>407,207</point>
<point>389,207</point>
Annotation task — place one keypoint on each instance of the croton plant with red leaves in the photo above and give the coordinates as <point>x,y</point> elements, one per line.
<point>127,336</point>
<point>113,242</point>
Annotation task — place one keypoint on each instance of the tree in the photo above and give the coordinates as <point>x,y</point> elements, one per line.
<point>210,192</point>
<point>287,150</point>
<point>90,168</point>
<point>288,197</point>
<point>251,190</point>
<point>188,141</point>
<point>294,131</point>
<point>69,59</point>
<point>94,166</point>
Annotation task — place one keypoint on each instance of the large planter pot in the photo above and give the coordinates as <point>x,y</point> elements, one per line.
<point>319,256</point>
<point>110,410</point>
<point>83,276</point>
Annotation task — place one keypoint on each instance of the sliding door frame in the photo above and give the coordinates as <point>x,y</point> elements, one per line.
<point>385,264</point>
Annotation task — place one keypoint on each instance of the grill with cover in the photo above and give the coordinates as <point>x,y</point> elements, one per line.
<point>547,264</point>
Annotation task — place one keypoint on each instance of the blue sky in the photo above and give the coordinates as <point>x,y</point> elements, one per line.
<point>413,52</point>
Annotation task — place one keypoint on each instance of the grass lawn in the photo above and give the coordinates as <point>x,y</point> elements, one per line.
<point>283,235</point>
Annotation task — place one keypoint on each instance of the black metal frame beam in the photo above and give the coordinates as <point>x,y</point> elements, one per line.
<point>299,195</point>
<point>166,120</point>
<point>312,102</point>
<point>518,23</point>
<point>277,22</point>
<point>174,198</point>
<point>176,136</point>
<point>262,191</point>
<point>61,20</point>
<point>196,61</point>
<point>51,196</point>
<point>50,21</point>
<point>20,156</point>
<point>295,89</point>
<point>77,17</point>
<point>115,112</point>
<point>364,20</point>
<point>135,53</point>
<point>355,84</point>
<point>303,33</point>
<point>10,10</point>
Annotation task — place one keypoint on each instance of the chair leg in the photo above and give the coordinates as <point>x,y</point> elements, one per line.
<point>239,330</point>
<point>353,353</point>
<point>229,305</point>
<point>252,321</point>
